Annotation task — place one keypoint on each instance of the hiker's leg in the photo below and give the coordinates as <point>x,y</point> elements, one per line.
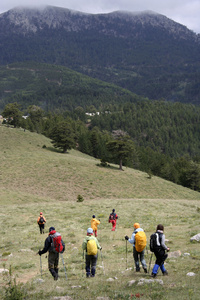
<point>87,265</point>
<point>51,263</point>
<point>40,228</point>
<point>95,233</point>
<point>136,260</point>
<point>93,264</point>
<point>56,263</point>
<point>143,262</point>
<point>113,225</point>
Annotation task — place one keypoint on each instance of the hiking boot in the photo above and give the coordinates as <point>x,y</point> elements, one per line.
<point>145,270</point>
<point>165,273</point>
<point>153,275</point>
<point>87,275</point>
<point>137,270</point>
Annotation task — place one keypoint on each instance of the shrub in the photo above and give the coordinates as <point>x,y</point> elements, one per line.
<point>13,291</point>
<point>80,198</point>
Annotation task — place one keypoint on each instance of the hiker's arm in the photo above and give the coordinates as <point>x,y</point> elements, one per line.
<point>163,243</point>
<point>84,245</point>
<point>132,239</point>
<point>47,245</point>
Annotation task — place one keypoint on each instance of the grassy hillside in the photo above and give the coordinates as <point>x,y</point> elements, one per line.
<point>35,179</point>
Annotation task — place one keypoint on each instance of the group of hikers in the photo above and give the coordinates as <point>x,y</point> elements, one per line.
<point>55,245</point>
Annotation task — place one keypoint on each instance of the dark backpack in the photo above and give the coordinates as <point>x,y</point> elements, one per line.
<point>154,242</point>
<point>112,217</point>
<point>41,220</point>
<point>57,245</point>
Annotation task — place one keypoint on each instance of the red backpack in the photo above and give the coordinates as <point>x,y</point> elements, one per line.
<point>56,244</point>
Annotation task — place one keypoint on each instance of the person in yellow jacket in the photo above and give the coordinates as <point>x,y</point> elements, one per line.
<point>41,222</point>
<point>94,224</point>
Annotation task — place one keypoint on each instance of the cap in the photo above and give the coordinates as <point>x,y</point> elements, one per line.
<point>90,230</point>
<point>93,216</point>
<point>41,213</point>
<point>51,228</point>
<point>136,225</point>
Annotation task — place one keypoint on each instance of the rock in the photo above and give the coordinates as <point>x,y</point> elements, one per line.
<point>4,271</point>
<point>149,281</point>
<point>174,254</point>
<point>110,279</point>
<point>39,280</point>
<point>130,283</point>
<point>25,250</point>
<point>102,298</point>
<point>195,238</point>
<point>186,254</point>
<point>76,286</point>
<point>191,274</point>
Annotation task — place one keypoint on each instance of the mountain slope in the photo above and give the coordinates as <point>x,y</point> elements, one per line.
<point>45,173</point>
<point>145,52</point>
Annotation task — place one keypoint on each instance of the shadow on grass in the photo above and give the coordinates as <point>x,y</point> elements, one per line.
<point>52,149</point>
<point>109,167</point>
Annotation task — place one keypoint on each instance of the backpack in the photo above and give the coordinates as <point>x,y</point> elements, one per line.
<point>41,220</point>
<point>154,242</point>
<point>140,241</point>
<point>112,217</point>
<point>56,244</point>
<point>91,247</point>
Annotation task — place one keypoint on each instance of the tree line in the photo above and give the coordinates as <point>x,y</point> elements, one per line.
<point>158,138</point>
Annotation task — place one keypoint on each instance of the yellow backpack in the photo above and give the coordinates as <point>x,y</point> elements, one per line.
<point>140,241</point>
<point>91,247</point>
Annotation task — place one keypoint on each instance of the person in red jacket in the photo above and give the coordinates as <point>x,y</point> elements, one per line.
<point>41,222</point>
<point>113,219</point>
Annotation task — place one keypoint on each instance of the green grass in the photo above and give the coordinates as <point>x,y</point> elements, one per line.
<point>34,179</point>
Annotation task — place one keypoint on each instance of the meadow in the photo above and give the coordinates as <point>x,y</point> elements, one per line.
<point>35,177</point>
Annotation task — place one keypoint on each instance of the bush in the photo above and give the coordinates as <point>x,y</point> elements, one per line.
<point>80,198</point>
<point>13,291</point>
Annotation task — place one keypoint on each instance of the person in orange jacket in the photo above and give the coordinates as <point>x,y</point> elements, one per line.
<point>41,222</point>
<point>94,224</point>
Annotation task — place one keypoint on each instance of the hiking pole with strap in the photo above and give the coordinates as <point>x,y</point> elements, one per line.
<point>63,265</point>
<point>83,264</point>
<point>102,263</point>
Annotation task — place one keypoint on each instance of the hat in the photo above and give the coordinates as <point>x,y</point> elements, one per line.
<point>90,231</point>
<point>51,228</point>
<point>113,210</point>
<point>136,225</point>
<point>93,216</point>
<point>41,213</point>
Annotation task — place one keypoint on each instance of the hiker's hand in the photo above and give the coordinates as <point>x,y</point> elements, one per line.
<point>126,237</point>
<point>100,248</point>
<point>39,252</point>
<point>168,249</point>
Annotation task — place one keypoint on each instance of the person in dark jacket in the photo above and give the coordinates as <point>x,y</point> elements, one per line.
<point>113,219</point>
<point>160,252</point>
<point>53,257</point>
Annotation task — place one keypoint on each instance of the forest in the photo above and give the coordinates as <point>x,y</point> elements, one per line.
<point>157,137</point>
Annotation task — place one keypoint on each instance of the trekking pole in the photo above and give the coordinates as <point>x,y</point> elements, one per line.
<point>126,254</point>
<point>63,265</point>
<point>102,263</point>
<point>150,261</point>
<point>41,265</point>
<point>83,265</point>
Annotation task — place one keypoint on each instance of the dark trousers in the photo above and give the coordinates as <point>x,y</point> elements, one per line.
<point>90,264</point>
<point>160,257</point>
<point>53,260</point>
<point>41,226</point>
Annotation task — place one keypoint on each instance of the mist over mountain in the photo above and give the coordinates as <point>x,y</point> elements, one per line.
<point>146,53</point>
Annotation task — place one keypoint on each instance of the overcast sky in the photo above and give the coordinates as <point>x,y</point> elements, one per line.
<point>186,12</point>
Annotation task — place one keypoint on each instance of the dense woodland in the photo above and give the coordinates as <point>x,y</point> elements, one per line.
<point>157,137</point>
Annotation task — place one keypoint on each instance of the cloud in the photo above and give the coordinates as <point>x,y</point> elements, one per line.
<point>185,12</point>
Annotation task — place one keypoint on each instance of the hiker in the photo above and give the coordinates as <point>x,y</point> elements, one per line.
<point>54,245</point>
<point>159,251</point>
<point>90,245</point>
<point>139,240</point>
<point>41,222</point>
<point>94,224</point>
<point>113,219</point>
